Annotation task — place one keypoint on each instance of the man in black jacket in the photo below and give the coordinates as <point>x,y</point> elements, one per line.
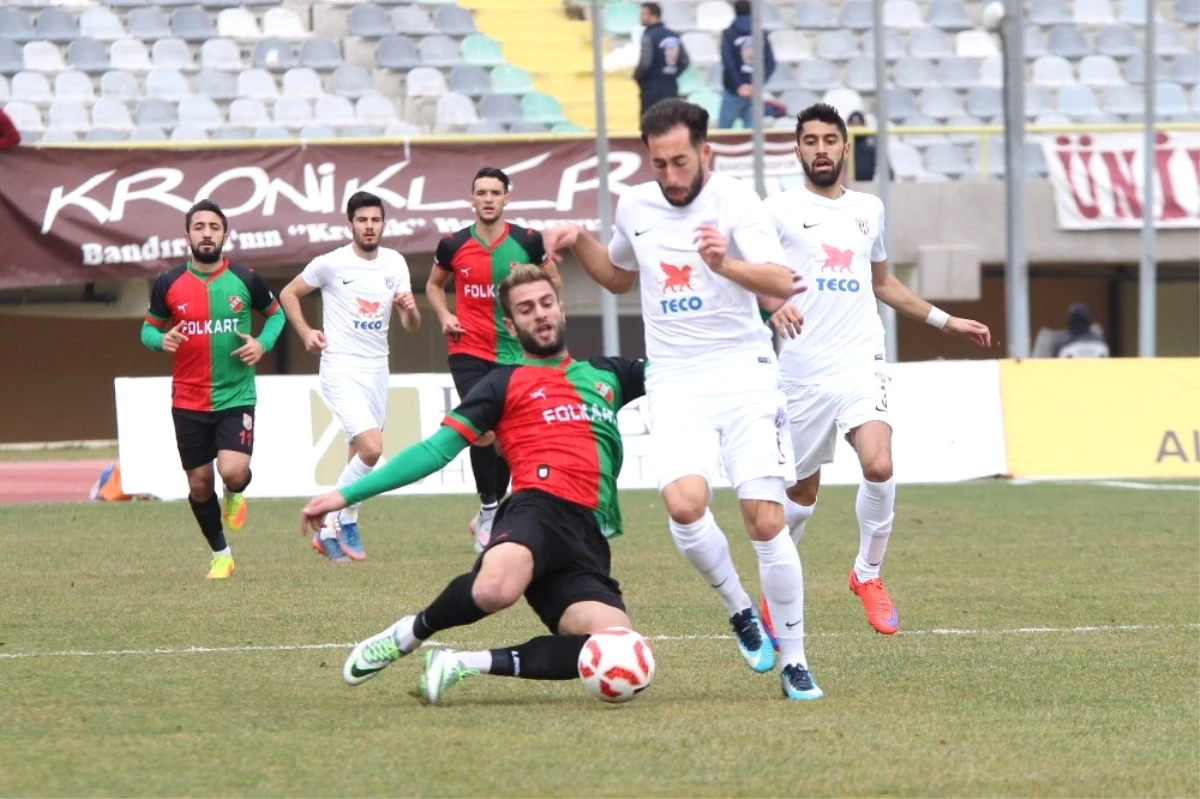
<point>662,61</point>
<point>738,60</point>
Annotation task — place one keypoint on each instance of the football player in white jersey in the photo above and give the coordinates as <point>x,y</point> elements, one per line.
<point>834,372</point>
<point>704,248</point>
<point>359,285</point>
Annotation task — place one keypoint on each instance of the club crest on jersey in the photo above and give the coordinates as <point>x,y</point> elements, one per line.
<point>235,304</point>
<point>605,391</point>
<point>836,260</point>
<point>389,282</point>
<point>543,472</point>
<point>865,226</point>
<point>247,421</point>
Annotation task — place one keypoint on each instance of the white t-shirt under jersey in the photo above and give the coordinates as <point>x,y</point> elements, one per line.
<point>694,317</point>
<point>357,295</point>
<point>832,243</point>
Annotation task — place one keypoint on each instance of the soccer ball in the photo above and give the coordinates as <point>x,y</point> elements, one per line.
<point>616,665</point>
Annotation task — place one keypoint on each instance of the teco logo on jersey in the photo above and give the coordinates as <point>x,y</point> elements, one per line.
<point>836,259</point>
<point>371,313</point>
<point>678,279</point>
<point>838,284</point>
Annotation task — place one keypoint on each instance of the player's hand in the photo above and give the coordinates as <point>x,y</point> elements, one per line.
<point>314,341</point>
<point>406,302</point>
<point>312,518</point>
<point>251,352</point>
<point>486,440</point>
<point>173,338</point>
<point>787,321</point>
<point>451,327</point>
<point>969,329</point>
<point>745,90</point>
<point>798,284</point>
<point>711,246</point>
<point>556,239</point>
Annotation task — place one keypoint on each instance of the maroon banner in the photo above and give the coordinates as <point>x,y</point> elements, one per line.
<point>82,215</point>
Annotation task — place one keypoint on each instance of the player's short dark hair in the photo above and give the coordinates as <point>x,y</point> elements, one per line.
<point>654,8</point>
<point>496,174</point>
<point>520,275</point>
<point>363,199</point>
<point>205,205</point>
<point>665,115</point>
<point>821,112</point>
<point>741,7</point>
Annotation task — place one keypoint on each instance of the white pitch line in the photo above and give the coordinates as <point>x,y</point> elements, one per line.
<point>210,650</point>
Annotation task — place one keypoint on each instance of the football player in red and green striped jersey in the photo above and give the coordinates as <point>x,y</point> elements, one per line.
<point>478,258</point>
<point>200,313</point>
<point>556,419</point>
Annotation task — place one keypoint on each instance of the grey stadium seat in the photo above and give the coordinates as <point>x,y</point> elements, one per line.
<point>701,48</point>
<point>678,16</point>
<point>902,14</point>
<point>1187,12</point>
<point>946,159</point>
<point>470,80</point>
<point>941,102</point>
<point>44,56</point>
<point>789,46</point>
<point>321,54</point>
<point>900,103</point>
<point>959,73</point>
<point>1167,40</point>
<point>200,111</point>
<point>16,25</point>
<point>221,54</point>
<point>929,43</point>
<point>361,131</point>
<point>1170,100</point>
<point>318,131</point>
<point>1186,69</point>
<point>173,53</point>
<point>439,51</point>
<point>1035,43</point>
<point>106,134</point>
<point>914,73</point>
<point>25,116</point>
<point>189,132</point>
<point>893,45</point>
<point>1093,12</point>
<point>425,82</point>
<point>302,82</point>
<point>455,110</point>
<point>402,127</point>
<point>283,57</point>
<point>272,132</point>
<point>1078,101</point>
<point>148,24</point>
<point>74,85</point>
<point>59,136</point>
<point>248,112</point>
<point>857,15</point>
<point>1067,41</point>
<point>155,111</point>
<point>169,84</point>
<point>781,79</point>
<point>1038,101</point>
<point>233,133</point>
<point>257,83</point>
<point>32,87</point>
<point>192,25</point>
<point>836,45</point>
<point>118,84</point>
<point>526,126</point>
<point>813,14</point>
<point>797,100</point>
<point>375,109</point>
<point>1124,100</point>
<point>1135,68</point>
<point>454,20</point>
<point>397,52</point>
<point>502,108</point>
<point>949,15</point>
<point>1099,70</point>
<point>55,25</point>
<point>217,84</point>
<point>412,21</point>
<point>963,121</point>
<point>1117,41</point>
<point>148,133</point>
<point>985,101</point>
<point>352,81</point>
<point>333,110</point>
<point>1052,70</point>
<point>12,60</point>
<point>89,55</point>
<point>485,127</point>
<point>369,21</point>
<point>860,74</point>
<point>1049,12</point>
<point>294,112</point>
<point>818,76</point>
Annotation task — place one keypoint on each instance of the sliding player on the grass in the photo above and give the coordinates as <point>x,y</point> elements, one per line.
<point>556,420</point>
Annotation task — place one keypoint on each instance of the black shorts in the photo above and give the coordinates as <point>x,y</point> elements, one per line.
<point>200,434</point>
<point>571,559</point>
<point>467,370</point>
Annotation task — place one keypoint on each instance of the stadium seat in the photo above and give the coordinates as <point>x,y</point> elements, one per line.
<point>1053,118</point>
<point>238,24</point>
<point>818,76</point>
<point>397,52</point>
<point>127,54</point>
<point>813,14</point>
<point>293,112</point>
<point>58,136</point>
<point>1045,13</point>
<point>837,45</point>
<point>156,111</point>
<point>1093,12</point>
<point>12,60</point>
<point>106,134</point>
<point>317,131</point>
<point>438,50</point>
<point>941,102</point>
<point>1067,41</point>
<point>900,103</point>
<point>893,45</point>
<point>360,131</point>
<point>789,46</point>
<point>486,127</point>
<point>216,84</point>
<point>100,24</point>
<point>352,81</point>
<point>32,87</point>
<point>860,74</point>
<point>321,54</point>
<point>25,116</point>
<point>527,126</point>
<point>772,18</point>
<point>857,15</point>
<point>946,159</point>
<point>702,48</point>
<point>1035,43</point>
<point>929,43</point>
<point>620,18</point>
<point>904,160</point>
<point>482,51</point>
<point>148,133</point>
<point>846,101</point>
<point>963,121</point>
<point>797,100</point>
<point>370,22</point>
<point>5,89</point>
<point>902,14</point>
<point>1099,70</point>
<point>782,79</point>
<point>272,131</point>
<point>678,16</point>
<point>507,79</point>
<point>1187,12</point>
<point>1170,100</point>
<point>949,15</point>
<point>283,23</point>
<point>991,71</point>
<point>16,25</point>
<point>257,83</point>
<point>985,102</point>
<point>55,25</point>
<point>118,84</point>
<point>453,20</point>
<point>74,85</point>
<point>690,80</point>
<point>302,82</point>
<point>1125,100</point>
<point>172,53</point>
<point>274,54</point>
<point>502,108</point>
<point>1117,41</point>
<point>1133,12</point>
<point>1078,101</point>
<point>221,54</point>
<point>454,112</point>
<point>1167,40</point>
<point>914,73</point>
<point>1135,68</point>
<point>166,83</point>
<point>958,73</point>
<point>1035,160</point>
<point>713,16</point>
<point>1038,101</point>
<point>412,21</point>
<point>975,44</point>
<point>425,82</point>
<point>188,132</point>
<point>44,57</point>
<point>713,78</point>
<point>1052,70</point>
<point>538,107</point>
<point>192,24</point>
<point>375,109</point>
<point>200,111</point>
<point>1186,69</point>
<point>248,111</point>
<point>148,24</point>
<point>334,111</point>
<point>401,128</point>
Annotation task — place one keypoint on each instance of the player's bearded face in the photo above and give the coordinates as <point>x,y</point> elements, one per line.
<point>206,238</point>
<point>367,228</point>
<point>822,153</point>
<point>537,319</point>
<point>678,165</point>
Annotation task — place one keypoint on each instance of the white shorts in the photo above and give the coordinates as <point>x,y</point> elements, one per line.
<point>739,420</point>
<point>819,412</point>
<point>357,399</point>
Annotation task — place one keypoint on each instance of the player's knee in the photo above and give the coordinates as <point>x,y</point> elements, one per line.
<point>235,478</point>
<point>878,468</point>
<point>766,523</point>
<point>370,454</point>
<point>494,594</point>
<point>200,486</point>
<point>686,504</point>
<point>803,493</point>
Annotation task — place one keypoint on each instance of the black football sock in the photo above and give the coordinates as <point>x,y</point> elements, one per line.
<point>454,607</point>
<point>483,467</point>
<point>208,515</point>
<point>548,657</point>
<point>503,474</point>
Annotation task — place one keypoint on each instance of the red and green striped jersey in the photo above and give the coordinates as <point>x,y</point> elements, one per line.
<point>478,271</point>
<point>557,424</point>
<point>213,308</point>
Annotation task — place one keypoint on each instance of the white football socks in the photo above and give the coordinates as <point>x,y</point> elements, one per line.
<point>706,548</point>
<point>354,469</point>
<point>875,507</point>
<point>797,516</point>
<point>783,586</point>
<point>479,661</point>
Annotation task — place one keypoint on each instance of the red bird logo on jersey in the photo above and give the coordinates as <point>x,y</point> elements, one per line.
<point>235,304</point>
<point>836,259</point>
<point>678,278</point>
<point>367,307</point>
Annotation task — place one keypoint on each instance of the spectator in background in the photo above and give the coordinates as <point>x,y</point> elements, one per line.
<point>738,59</point>
<point>864,149</point>
<point>662,61</point>
<point>9,135</point>
<point>1082,338</point>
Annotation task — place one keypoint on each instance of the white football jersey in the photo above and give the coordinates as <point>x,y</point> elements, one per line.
<point>357,295</point>
<point>832,243</point>
<point>695,318</point>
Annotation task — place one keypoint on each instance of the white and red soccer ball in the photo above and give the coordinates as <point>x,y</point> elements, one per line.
<point>616,665</point>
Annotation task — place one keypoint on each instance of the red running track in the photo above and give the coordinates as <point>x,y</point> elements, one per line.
<point>49,481</point>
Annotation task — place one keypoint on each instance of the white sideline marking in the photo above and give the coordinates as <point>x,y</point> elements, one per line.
<point>209,650</point>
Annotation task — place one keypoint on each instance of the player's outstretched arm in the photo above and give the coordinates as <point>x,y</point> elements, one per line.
<point>592,256</point>
<point>765,279</point>
<point>891,291</point>
<point>414,463</point>
<point>289,300</point>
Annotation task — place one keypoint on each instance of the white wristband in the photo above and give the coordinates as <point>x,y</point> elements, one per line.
<point>937,318</point>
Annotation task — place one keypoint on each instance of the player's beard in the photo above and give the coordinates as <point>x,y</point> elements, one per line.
<point>823,180</point>
<point>206,258</point>
<point>693,190</point>
<point>531,345</point>
<point>366,246</point>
